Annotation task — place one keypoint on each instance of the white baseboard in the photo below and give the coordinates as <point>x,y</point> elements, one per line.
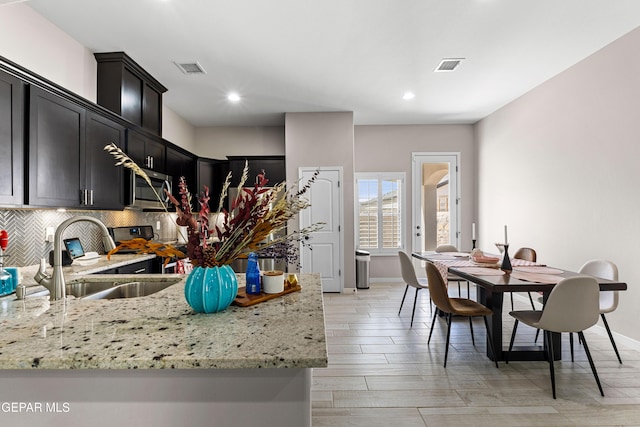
<point>385,280</point>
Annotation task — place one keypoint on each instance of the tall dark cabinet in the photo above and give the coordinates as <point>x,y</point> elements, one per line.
<point>128,90</point>
<point>12,92</point>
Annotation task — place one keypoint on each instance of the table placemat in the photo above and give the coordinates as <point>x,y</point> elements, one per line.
<point>538,269</point>
<point>482,271</point>
<point>443,269</point>
<point>469,263</point>
<point>534,277</point>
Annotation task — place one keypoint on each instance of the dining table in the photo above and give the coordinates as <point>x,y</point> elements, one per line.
<point>492,283</point>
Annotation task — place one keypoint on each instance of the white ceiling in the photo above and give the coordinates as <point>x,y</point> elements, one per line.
<point>345,55</point>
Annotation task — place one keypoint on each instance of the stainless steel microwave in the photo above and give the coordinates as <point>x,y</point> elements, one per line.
<point>141,195</point>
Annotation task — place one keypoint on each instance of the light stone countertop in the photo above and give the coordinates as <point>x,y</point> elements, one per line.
<point>161,330</point>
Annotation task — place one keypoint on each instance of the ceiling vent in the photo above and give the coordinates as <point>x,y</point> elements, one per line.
<point>190,67</point>
<point>448,64</point>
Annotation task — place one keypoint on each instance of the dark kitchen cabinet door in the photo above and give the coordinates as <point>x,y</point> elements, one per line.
<point>147,152</point>
<point>181,164</point>
<point>212,173</point>
<point>131,104</point>
<point>12,92</point>
<point>151,109</point>
<point>104,180</point>
<point>56,138</point>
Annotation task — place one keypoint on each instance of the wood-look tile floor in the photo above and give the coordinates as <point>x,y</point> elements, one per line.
<point>382,372</point>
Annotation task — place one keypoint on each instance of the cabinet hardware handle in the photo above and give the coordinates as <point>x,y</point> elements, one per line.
<point>91,197</point>
<point>142,270</point>
<point>83,196</point>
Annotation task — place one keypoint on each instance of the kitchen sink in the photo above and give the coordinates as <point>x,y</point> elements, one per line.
<point>128,290</point>
<point>82,289</point>
<point>112,289</point>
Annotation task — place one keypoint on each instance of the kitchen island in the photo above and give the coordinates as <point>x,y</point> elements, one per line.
<point>153,361</point>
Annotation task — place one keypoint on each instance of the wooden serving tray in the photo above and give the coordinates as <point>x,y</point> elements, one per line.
<point>244,300</point>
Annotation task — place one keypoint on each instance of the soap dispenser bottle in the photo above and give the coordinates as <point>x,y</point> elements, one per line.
<point>253,275</point>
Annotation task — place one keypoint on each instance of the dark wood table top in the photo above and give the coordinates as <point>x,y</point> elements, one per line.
<point>507,283</point>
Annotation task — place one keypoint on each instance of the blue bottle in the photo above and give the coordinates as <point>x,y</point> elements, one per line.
<point>253,275</point>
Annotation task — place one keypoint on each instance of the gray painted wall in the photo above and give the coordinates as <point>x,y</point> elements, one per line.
<point>560,166</point>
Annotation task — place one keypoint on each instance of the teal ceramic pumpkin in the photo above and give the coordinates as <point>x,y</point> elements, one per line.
<point>211,289</point>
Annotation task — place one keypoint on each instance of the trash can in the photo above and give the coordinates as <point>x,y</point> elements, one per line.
<point>363,258</point>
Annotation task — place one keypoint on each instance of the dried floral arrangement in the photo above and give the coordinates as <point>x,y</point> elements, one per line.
<point>257,214</point>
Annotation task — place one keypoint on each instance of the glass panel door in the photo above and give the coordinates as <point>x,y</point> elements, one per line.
<point>435,200</point>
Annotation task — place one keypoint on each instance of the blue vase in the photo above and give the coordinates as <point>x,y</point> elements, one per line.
<point>211,289</point>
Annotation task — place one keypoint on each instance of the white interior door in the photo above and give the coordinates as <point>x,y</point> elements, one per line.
<point>435,200</point>
<point>322,251</point>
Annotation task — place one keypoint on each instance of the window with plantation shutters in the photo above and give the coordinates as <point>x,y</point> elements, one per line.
<point>380,212</point>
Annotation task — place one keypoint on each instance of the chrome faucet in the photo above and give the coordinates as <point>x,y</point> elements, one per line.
<point>55,282</point>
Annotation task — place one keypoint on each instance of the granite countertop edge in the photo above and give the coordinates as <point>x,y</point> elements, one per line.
<point>159,331</point>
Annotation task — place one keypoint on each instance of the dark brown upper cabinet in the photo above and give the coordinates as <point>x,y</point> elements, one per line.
<point>181,163</point>
<point>273,166</point>
<point>212,173</point>
<point>148,152</point>
<point>67,164</point>
<point>128,90</point>
<point>12,93</point>
<point>56,134</point>
<point>104,180</point>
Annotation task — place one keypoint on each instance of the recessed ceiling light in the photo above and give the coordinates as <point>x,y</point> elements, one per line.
<point>233,97</point>
<point>408,95</point>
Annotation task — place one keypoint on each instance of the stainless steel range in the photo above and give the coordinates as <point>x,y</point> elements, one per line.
<point>120,234</point>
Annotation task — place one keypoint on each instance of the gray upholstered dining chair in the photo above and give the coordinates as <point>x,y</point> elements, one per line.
<point>572,306</point>
<point>453,277</point>
<point>608,300</point>
<point>455,307</point>
<point>410,278</point>
<point>527,254</point>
